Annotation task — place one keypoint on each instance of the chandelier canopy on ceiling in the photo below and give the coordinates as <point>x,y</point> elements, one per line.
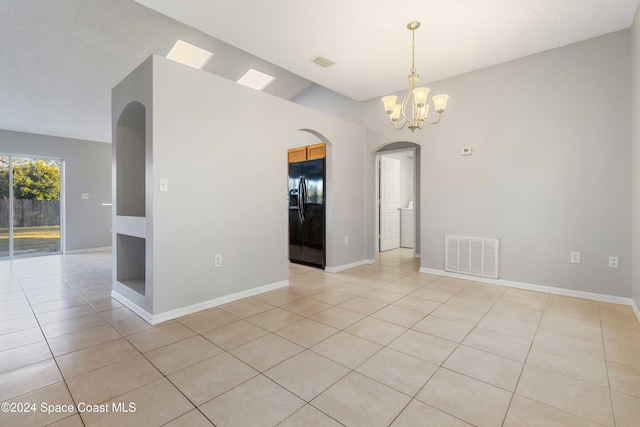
<point>415,99</point>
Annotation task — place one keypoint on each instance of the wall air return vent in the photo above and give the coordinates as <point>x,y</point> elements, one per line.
<point>471,255</point>
<point>323,62</point>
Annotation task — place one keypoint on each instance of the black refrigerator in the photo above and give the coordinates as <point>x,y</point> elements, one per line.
<point>306,212</point>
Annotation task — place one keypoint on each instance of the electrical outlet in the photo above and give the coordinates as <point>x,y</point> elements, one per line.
<point>575,257</point>
<point>613,262</point>
<point>466,151</point>
<point>346,240</point>
<point>85,196</point>
<point>218,261</point>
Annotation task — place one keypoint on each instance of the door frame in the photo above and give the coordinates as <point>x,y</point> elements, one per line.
<point>381,152</point>
<point>11,157</point>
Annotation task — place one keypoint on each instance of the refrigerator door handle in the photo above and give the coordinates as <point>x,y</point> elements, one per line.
<point>304,199</point>
<point>300,199</point>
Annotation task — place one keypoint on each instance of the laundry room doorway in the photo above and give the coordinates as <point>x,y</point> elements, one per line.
<point>397,180</point>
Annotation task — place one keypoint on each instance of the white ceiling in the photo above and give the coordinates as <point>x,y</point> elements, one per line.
<point>59,59</point>
<point>369,42</point>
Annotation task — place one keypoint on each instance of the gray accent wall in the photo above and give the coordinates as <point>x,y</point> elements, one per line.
<point>87,170</point>
<point>635,123</point>
<point>551,166</point>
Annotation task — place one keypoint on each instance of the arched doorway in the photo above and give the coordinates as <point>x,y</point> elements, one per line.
<point>309,199</point>
<point>397,197</point>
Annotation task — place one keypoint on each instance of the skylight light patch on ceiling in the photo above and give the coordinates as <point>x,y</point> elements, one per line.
<point>188,54</point>
<point>255,79</point>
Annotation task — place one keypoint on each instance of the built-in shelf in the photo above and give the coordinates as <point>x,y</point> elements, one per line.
<point>130,161</point>
<point>137,284</point>
<point>131,226</point>
<point>131,197</point>
<point>131,262</point>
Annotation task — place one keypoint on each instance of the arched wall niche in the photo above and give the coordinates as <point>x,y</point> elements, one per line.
<point>130,160</point>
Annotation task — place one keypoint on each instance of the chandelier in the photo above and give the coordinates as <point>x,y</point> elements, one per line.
<point>415,99</point>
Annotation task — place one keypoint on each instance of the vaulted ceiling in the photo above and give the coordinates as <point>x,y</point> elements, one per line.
<point>369,42</point>
<point>59,59</point>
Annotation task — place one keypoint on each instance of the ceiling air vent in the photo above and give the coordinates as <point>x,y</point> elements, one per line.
<point>323,62</point>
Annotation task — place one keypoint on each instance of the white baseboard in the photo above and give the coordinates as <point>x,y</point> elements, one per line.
<point>86,251</point>
<point>634,307</point>
<point>348,266</point>
<point>144,314</point>
<point>539,288</point>
<point>154,319</point>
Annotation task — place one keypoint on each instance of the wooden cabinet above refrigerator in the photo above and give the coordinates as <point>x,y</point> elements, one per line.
<point>310,152</point>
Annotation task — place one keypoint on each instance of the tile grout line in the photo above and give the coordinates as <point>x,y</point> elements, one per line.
<point>555,373</point>
<point>75,404</point>
<point>53,357</point>
<point>64,379</point>
<point>606,365</point>
<point>524,363</point>
<point>262,373</point>
<point>441,366</point>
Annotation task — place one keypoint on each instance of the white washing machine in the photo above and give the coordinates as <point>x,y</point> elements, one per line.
<point>406,226</point>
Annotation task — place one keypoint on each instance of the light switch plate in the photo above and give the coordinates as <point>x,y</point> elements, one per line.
<point>164,184</point>
<point>85,196</point>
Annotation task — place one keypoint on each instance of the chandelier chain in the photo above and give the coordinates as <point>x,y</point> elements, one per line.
<point>413,51</point>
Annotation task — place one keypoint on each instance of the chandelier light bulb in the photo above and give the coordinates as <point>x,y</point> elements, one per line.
<point>389,103</point>
<point>395,114</point>
<point>420,95</point>
<point>440,103</point>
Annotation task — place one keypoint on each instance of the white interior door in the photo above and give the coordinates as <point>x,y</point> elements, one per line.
<point>389,203</point>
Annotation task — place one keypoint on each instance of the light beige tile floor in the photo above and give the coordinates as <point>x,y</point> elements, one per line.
<point>376,345</point>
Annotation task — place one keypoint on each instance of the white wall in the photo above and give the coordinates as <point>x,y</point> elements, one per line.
<point>87,170</point>
<point>322,99</point>
<point>302,138</point>
<point>551,169</point>
<point>223,148</point>
<point>635,121</point>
